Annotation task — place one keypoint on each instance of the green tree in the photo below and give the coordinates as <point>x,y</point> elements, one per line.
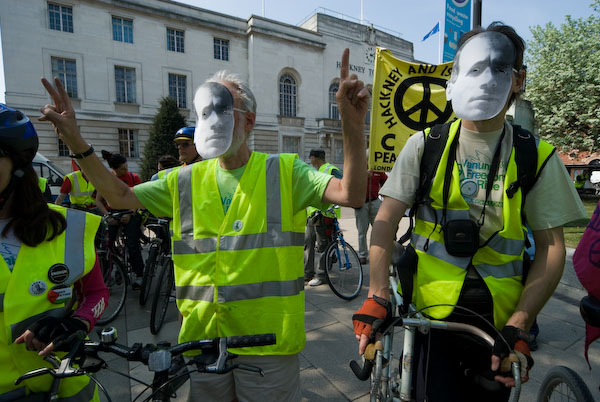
<point>563,81</point>
<point>164,126</point>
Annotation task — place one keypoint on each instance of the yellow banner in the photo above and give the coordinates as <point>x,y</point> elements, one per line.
<point>407,98</point>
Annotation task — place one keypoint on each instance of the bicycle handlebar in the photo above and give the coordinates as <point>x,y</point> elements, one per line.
<point>156,357</point>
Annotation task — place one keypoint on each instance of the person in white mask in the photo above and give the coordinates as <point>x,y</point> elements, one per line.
<point>238,228</point>
<point>471,194</point>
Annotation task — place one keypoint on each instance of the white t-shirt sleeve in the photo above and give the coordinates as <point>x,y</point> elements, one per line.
<point>403,180</point>
<point>553,200</point>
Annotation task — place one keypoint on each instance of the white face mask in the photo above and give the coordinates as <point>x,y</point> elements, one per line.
<point>214,126</point>
<point>484,77</point>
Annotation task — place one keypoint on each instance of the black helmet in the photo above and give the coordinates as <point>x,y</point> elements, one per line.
<point>185,133</point>
<point>17,133</point>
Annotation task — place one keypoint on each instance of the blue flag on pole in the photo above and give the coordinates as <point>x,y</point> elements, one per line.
<point>433,31</point>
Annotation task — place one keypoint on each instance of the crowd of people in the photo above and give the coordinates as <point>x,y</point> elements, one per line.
<point>239,218</point>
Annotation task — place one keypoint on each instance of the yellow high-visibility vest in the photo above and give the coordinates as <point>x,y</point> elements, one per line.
<point>24,299</point>
<point>440,276</point>
<point>81,189</point>
<point>240,273</point>
<point>42,182</point>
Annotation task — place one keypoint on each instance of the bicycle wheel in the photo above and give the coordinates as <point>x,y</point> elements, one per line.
<point>563,384</point>
<point>115,278</point>
<point>162,294</point>
<point>343,270</point>
<point>149,270</point>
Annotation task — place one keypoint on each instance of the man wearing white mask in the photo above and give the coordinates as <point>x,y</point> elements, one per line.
<point>238,228</point>
<point>474,192</point>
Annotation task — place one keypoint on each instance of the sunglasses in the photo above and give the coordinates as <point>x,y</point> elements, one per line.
<point>183,144</point>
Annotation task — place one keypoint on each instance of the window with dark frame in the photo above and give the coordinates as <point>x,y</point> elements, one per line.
<point>175,40</point>
<point>66,70</point>
<point>334,114</point>
<point>287,95</point>
<point>125,84</point>
<point>63,150</point>
<point>178,89</point>
<point>61,17</point>
<point>338,151</point>
<point>128,143</point>
<point>122,29</point>
<point>221,49</point>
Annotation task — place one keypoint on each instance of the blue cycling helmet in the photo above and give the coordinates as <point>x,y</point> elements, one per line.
<point>17,133</point>
<point>185,133</point>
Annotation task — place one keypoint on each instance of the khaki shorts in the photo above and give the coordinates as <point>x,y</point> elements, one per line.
<point>281,382</point>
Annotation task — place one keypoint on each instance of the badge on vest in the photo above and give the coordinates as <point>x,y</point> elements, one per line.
<point>37,288</point>
<point>60,294</point>
<point>58,273</point>
<point>237,225</point>
<point>468,188</point>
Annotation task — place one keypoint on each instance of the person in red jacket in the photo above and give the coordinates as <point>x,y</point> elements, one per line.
<point>365,215</point>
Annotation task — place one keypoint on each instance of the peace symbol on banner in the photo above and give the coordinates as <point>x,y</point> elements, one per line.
<point>416,92</point>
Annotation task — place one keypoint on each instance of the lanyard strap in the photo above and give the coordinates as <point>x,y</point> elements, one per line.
<point>490,178</point>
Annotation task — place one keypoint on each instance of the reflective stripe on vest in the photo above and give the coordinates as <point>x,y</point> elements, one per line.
<point>241,292</point>
<point>498,261</point>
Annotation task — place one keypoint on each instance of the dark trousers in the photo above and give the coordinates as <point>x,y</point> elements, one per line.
<point>133,233</point>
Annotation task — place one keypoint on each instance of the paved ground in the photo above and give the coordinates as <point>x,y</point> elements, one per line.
<point>325,374</point>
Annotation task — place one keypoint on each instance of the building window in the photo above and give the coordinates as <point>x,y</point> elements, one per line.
<point>122,29</point>
<point>61,17</point>
<point>221,49</point>
<point>66,70</point>
<point>333,107</point>
<point>128,143</point>
<point>177,89</point>
<point>287,96</point>
<point>338,151</point>
<point>290,144</point>
<point>125,84</point>
<point>63,150</point>
<point>175,40</point>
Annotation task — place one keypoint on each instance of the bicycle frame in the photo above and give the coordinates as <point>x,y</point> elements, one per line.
<point>340,236</point>
<point>384,385</point>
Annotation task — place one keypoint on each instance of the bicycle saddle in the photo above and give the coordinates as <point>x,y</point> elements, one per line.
<point>590,310</point>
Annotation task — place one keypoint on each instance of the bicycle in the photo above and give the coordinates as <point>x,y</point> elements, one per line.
<point>561,383</point>
<point>114,270</point>
<point>166,361</point>
<point>343,270</point>
<point>388,386</point>
<point>158,250</point>
<point>165,285</point>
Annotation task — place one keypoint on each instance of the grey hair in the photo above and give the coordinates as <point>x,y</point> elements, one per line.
<point>242,87</point>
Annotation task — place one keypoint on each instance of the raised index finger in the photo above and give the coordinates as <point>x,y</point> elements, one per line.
<point>345,64</point>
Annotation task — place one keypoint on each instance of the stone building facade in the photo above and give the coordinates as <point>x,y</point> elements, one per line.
<point>118,58</point>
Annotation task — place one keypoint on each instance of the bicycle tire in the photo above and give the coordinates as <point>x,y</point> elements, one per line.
<point>561,382</point>
<point>162,294</point>
<point>149,269</point>
<point>343,270</point>
<point>116,280</point>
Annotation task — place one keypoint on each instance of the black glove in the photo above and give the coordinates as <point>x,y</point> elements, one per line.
<point>505,341</point>
<point>62,332</point>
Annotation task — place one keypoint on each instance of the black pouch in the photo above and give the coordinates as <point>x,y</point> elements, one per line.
<point>405,260</point>
<point>461,237</point>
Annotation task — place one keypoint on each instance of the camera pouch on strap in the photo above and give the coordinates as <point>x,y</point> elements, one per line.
<point>461,237</point>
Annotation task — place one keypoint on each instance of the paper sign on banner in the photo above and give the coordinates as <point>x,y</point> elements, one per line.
<point>407,98</point>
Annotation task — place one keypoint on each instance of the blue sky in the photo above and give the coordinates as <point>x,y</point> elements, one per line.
<point>412,19</point>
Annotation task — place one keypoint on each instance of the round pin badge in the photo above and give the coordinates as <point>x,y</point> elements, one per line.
<point>237,225</point>
<point>58,273</point>
<point>468,188</point>
<point>37,288</point>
